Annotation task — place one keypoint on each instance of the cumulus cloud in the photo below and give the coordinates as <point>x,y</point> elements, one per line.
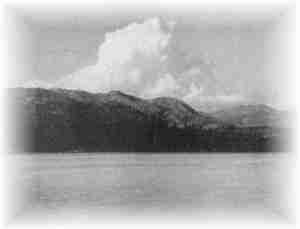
<point>130,59</point>
<point>139,59</point>
<point>165,86</point>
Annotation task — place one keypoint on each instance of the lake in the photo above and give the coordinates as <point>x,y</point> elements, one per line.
<point>52,186</point>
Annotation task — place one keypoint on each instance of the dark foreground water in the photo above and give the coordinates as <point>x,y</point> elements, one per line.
<point>58,185</point>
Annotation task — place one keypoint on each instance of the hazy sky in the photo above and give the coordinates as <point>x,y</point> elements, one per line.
<point>199,56</point>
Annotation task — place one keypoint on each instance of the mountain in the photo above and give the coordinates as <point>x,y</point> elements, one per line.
<point>252,116</point>
<point>69,120</point>
<point>179,114</point>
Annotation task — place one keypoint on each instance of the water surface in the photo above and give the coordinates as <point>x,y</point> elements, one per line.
<point>56,184</point>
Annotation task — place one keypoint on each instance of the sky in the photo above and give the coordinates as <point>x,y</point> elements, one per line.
<point>206,58</point>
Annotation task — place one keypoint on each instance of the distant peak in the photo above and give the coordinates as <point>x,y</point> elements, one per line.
<point>257,107</point>
<point>115,92</point>
<point>168,100</point>
<point>173,102</point>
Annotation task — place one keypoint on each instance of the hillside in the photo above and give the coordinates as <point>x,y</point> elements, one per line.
<point>252,116</point>
<point>59,120</point>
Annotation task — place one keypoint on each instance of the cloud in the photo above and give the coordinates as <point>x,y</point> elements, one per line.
<point>143,59</point>
<point>194,93</point>
<point>130,59</point>
<point>165,86</point>
<point>198,99</point>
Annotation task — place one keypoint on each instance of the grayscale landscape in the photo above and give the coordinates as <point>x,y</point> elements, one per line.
<point>148,112</point>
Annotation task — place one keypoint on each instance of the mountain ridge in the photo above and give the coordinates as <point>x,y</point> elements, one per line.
<point>63,120</point>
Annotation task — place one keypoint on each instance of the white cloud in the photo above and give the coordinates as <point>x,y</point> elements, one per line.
<point>129,59</point>
<point>165,86</point>
<point>200,100</point>
<point>136,59</point>
<point>194,92</point>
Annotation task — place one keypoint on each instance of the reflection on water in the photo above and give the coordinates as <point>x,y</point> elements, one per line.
<point>160,183</point>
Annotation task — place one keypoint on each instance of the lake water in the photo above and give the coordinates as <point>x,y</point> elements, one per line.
<point>60,185</point>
